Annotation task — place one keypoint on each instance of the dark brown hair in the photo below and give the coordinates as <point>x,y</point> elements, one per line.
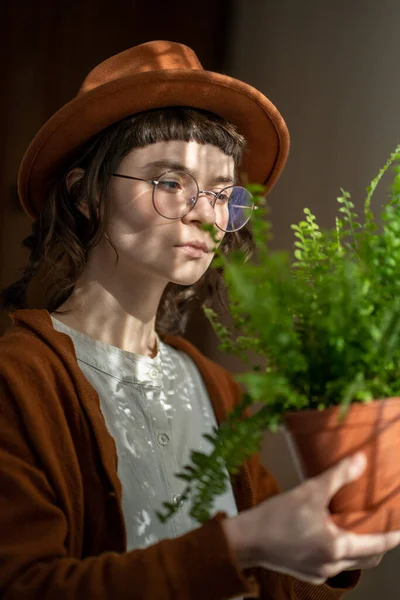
<point>63,236</point>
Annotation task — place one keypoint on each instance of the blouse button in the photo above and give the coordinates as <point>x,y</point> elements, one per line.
<point>163,439</point>
<point>178,500</point>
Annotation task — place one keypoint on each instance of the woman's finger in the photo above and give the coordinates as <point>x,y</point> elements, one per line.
<point>352,546</point>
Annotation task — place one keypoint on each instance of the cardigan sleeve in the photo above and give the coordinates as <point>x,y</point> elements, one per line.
<point>35,562</point>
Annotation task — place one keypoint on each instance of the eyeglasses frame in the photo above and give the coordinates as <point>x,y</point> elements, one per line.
<point>155,182</point>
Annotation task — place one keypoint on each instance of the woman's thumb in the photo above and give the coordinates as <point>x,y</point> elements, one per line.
<point>347,470</point>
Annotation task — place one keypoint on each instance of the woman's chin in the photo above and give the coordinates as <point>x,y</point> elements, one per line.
<point>187,278</point>
<point>186,281</point>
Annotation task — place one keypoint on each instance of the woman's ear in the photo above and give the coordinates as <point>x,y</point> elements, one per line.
<point>73,176</point>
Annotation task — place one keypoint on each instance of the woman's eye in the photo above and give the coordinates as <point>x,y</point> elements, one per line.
<point>223,198</point>
<point>170,186</point>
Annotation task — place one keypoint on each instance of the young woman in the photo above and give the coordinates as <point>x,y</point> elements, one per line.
<point>101,400</point>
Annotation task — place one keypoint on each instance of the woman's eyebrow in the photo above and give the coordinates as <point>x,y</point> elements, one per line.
<point>178,166</point>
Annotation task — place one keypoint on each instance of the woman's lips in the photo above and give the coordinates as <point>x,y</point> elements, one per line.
<point>193,251</point>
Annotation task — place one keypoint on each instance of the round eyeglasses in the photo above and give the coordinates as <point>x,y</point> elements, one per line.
<point>175,194</point>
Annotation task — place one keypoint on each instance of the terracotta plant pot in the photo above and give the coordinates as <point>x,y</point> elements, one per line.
<point>372,503</point>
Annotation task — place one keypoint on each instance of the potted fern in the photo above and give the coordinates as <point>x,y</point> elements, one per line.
<point>324,322</point>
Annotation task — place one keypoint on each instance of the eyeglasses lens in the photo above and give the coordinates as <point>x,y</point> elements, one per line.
<point>177,191</point>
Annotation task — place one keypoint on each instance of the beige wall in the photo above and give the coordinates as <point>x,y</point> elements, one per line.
<point>332,70</point>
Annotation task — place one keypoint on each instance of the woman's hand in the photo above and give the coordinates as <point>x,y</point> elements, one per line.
<point>292,533</point>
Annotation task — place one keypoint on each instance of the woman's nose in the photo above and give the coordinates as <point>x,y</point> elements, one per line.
<point>203,209</point>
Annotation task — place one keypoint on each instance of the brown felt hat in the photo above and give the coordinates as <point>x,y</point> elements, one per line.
<point>152,75</point>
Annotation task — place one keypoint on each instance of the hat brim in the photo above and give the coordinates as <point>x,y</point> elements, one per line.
<point>60,137</point>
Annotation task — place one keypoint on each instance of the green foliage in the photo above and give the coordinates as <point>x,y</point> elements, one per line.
<point>324,319</point>
<point>327,316</point>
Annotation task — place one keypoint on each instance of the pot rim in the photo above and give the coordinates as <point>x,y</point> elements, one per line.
<point>359,414</point>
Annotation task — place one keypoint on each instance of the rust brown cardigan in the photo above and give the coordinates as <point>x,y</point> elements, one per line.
<point>62,533</point>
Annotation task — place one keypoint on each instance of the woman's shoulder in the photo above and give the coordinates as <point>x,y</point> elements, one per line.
<point>39,375</point>
<point>32,345</point>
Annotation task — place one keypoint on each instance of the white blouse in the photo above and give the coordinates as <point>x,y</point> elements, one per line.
<point>156,409</point>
